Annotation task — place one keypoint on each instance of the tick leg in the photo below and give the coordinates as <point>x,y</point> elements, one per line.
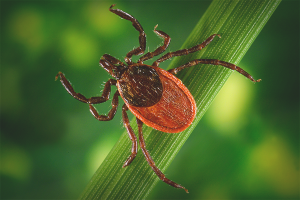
<point>185,51</point>
<point>213,62</point>
<point>131,136</point>
<point>80,97</point>
<point>151,162</point>
<point>142,37</point>
<point>160,49</point>
<point>112,112</point>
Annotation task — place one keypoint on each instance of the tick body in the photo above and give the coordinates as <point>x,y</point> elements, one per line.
<point>155,96</point>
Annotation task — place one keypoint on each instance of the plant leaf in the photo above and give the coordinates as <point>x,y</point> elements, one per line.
<point>239,23</point>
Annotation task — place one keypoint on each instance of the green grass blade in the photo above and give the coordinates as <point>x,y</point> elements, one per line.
<point>239,23</point>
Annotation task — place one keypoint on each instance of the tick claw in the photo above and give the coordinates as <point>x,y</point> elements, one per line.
<point>56,77</point>
<point>112,6</point>
<point>186,190</point>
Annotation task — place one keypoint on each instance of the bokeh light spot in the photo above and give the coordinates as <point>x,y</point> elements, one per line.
<point>98,153</point>
<point>26,27</point>
<point>101,19</point>
<point>274,161</point>
<point>215,191</point>
<point>15,162</point>
<point>12,101</point>
<point>79,48</point>
<point>226,112</point>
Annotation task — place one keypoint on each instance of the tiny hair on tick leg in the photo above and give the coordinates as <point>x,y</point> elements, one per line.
<point>152,94</point>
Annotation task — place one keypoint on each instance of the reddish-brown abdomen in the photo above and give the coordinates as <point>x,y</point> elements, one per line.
<point>174,112</point>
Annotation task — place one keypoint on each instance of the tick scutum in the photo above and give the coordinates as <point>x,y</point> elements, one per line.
<point>140,86</point>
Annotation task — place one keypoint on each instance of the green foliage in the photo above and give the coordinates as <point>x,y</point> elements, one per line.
<point>239,23</point>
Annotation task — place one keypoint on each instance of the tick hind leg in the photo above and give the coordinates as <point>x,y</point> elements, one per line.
<point>185,51</point>
<point>214,62</point>
<point>131,136</point>
<point>150,160</point>
<point>160,49</point>
<point>142,37</point>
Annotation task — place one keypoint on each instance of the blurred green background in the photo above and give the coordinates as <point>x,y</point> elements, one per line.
<point>245,147</point>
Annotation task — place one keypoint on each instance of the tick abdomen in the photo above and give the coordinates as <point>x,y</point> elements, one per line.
<point>175,109</point>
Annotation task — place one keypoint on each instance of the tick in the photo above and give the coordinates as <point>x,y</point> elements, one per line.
<point>155,96</point>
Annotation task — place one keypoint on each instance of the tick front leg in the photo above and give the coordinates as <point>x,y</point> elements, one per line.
<point>160,49</point>
<point>142,37</point>
<point>80,97</point>
<point>150,160</point>
<point>214,62</point>
<point>131,136</point>
<point>112,112</point>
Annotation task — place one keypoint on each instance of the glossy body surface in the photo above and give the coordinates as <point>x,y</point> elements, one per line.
<point>155,96</point>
